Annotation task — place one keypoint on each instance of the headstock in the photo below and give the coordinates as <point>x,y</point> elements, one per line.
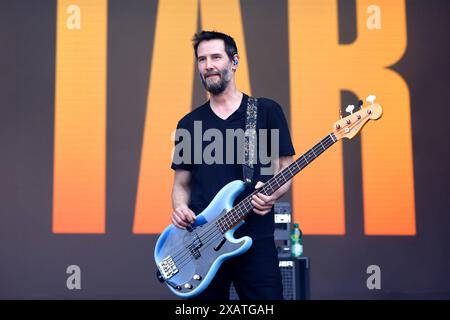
<point>349,126</point>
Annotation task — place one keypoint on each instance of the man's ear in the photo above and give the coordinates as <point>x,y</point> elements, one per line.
<point>235,62</point>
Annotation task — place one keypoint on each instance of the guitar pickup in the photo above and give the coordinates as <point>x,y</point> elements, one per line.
<point>194,247</point>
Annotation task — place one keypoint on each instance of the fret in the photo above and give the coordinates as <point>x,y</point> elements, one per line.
<point>287,174</point>
<point>297,164</point>
<point>229,223</point>
<point>218,223</point>
<point>289,169</point>
<point>239,209</point>
<point>301,165</point>
<point>242,210</point>
<point>272,186</point>
<point>305,159</point>
<point>317,150</point>
<point>332,138</point>
<point>322,146</point>
<point>309,156</point>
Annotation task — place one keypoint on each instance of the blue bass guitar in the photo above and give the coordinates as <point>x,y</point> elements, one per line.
<point>188,259</point>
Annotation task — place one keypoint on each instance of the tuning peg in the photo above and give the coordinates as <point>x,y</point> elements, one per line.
<point>371,98</point>
<point>350,108</point>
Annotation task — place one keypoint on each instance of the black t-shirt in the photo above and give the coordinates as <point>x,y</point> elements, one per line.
<point>208,179</point>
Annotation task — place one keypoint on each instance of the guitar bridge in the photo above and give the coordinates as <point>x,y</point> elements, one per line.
<point>167,267</point>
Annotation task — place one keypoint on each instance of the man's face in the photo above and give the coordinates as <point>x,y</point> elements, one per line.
<point>214,65</point>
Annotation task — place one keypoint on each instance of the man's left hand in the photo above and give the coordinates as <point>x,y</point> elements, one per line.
<point>261,203</point>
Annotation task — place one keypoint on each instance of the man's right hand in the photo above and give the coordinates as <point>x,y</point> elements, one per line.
<point>183,217</point>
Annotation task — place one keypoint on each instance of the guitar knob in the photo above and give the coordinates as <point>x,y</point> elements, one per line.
<point>188,286</point>
<point>197,277</point>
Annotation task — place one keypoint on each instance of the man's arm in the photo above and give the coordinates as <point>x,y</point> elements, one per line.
<point>283,162</point>
<point>182,216</point>
<point>263,204</point>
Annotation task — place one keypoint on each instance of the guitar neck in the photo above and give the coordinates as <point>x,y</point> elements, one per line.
<point>243,208</point>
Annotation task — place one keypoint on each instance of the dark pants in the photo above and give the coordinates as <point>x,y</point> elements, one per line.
<point>255,275</point>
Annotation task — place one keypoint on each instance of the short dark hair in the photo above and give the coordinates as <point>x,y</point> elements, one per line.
<point>230,44</point>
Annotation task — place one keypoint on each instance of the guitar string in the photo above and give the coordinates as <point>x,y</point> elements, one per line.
<point>213,237</point>
<point>213,232</point>
<point>206,235</point>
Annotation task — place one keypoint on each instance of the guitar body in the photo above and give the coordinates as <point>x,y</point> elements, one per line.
<point>189,259</point>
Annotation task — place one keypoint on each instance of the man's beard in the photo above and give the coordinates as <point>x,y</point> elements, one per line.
<point>219,86</point>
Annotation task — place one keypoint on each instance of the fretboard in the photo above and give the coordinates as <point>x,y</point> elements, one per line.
<point>243,208</point>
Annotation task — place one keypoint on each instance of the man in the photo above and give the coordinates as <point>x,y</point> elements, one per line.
<point>255,274</point>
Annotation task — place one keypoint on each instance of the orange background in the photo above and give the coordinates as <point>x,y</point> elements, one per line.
<point>319,68</point>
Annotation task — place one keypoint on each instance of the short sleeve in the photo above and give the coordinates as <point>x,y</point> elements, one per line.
<point>277,120</point>
<point>182,155</point>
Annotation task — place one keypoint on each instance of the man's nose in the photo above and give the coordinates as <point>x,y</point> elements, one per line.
<point>208,64</point>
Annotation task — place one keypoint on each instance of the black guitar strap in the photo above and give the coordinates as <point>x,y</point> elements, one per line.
<point>250,140</point>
